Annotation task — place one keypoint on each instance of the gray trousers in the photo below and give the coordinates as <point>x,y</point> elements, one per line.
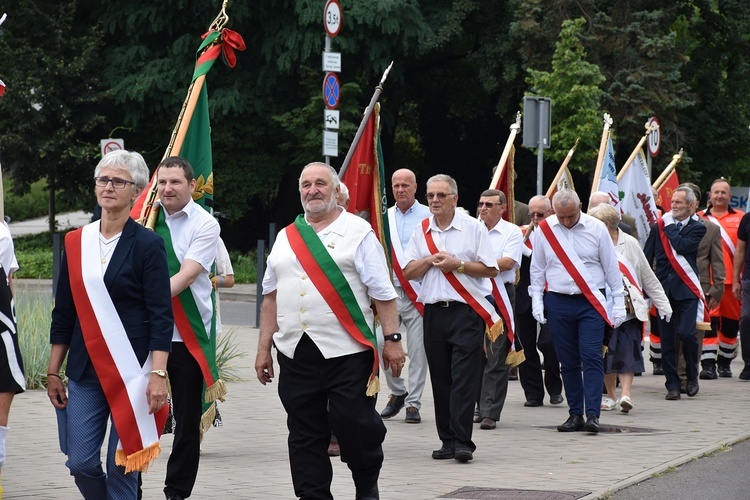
<point>417,359</point>
<point>495,374</point>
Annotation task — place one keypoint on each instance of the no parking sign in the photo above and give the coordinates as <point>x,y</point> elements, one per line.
<point>108,145</point>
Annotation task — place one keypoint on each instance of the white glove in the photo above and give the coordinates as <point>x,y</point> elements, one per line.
<point>666,317</point>
<point>537,306</point>
<point>618,316</point>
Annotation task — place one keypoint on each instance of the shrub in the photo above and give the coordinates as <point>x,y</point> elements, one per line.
<point>33,312</point>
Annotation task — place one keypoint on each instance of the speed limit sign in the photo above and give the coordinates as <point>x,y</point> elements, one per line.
<point>332,17</point>
<point>654,138</point>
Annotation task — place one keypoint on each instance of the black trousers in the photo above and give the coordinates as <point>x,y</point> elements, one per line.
<point>453,342</point>
<point>533,381</point>
<point>323,395</point>
<point>186,380</point>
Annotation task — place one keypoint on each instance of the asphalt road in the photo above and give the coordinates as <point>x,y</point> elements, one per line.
<point>723,475</point>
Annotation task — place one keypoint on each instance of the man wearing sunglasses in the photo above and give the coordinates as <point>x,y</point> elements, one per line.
<point>506,240</point>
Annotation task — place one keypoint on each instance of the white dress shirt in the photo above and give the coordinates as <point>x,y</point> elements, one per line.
<point>506,240</point>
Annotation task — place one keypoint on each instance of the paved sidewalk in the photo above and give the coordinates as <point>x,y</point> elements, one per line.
<point>247,458</point>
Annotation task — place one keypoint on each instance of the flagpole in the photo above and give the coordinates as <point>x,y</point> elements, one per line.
<point>514,128</point>
<point>649,129</point>
<point>663,177</point>
<point>363,123</point>
<point>602,150</point>
<point>562,169</point>
<point>150,212</point>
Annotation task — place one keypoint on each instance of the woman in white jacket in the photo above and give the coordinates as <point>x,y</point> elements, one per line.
<point>624,357</point>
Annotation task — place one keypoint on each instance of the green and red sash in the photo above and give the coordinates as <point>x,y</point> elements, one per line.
<point>187,318</point>
<point>468,291</point>
<point>123,380</point>
<point>333,286</point>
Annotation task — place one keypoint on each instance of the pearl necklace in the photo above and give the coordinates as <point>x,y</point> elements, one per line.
<point>105,254</point>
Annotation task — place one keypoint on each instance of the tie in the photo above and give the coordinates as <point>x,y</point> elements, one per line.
<point>679,226</point>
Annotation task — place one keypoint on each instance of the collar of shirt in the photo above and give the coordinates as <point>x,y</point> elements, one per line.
<point>338,226</point>
<point>501,225</point>
<point>455,224</point>
<point>186,211</point>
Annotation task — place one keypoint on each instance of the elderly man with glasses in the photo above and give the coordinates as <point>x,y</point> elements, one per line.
<point>450,254</point>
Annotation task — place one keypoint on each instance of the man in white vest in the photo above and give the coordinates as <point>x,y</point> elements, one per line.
<point>323,273</point>
<point>403,218</point>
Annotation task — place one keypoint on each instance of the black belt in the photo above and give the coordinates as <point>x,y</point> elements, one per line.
<point>445,303</point>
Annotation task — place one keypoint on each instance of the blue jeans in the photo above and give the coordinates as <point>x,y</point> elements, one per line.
<point>577,332</point>
<point>88,414</point>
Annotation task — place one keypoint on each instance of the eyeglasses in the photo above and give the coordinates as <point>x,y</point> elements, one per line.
<point>439,196</point>
<point>116,182</point>
<point>538,214</point>
<point>488,204</point>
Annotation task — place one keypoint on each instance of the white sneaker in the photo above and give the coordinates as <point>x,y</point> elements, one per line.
<point>608,404</point>
<point>625,404</point>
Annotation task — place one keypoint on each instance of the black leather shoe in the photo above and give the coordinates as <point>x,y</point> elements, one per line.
<point>692,389</point>
<point>683,388</point>
<point>556,400</point>
<point>573,424</point>
<point>673,395</point>
<point>395,403</point>
<point>443,453</point>
<point>463,454</point>
<point>724,371</point>
<point>173,496</point>
<point>477,416</point>
<point>592,424</point>
<point>745,374</point>
<point>371,494</point>
<point>658,370</point>
<point>532,403</point>
<point>708,373</point>
<point>513,375</point>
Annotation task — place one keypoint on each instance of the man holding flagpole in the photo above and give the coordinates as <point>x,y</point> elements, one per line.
<point>450,254</point>
<point>574,259</point>
<point>191,236</point>
<point>403,218</point>
<point>323,273</point>
<point>672,246</point>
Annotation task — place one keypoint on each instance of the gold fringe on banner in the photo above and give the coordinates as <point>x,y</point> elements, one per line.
<point>494,332</point>
<point>373,386</point>
<point>515,358</point>
<point>217,391</point>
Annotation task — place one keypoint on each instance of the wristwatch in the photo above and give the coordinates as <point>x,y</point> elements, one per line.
<point>462,267</point>
<point>161,373</point>
<point>394,337</point>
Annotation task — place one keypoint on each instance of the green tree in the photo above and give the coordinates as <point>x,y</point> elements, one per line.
<point>52,114</point>
<point>574,85</point>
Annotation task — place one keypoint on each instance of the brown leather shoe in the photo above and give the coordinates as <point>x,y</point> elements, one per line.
<point>488,423</point>
<point>477,416</point>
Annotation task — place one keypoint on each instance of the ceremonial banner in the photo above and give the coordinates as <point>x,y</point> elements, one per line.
<point>191,140</point>
<point>636,197</point>
<point>505,184</point>
<point>365,179</point>
<point>607,181</point>
<point>664,192</point>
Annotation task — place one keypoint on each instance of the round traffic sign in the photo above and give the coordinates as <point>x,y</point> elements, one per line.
<point>332,17</point>
<point>654,138</point>
<point>331,90</point>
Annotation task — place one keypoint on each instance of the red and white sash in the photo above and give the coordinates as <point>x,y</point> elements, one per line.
<point>627,270</point>
<point>465,287</point>
<point>123,380</point>
<point>577,270</point>
<point>725,238</point>
<point>397,257</point>
<point>684,271</point>
<point>506,308</point>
